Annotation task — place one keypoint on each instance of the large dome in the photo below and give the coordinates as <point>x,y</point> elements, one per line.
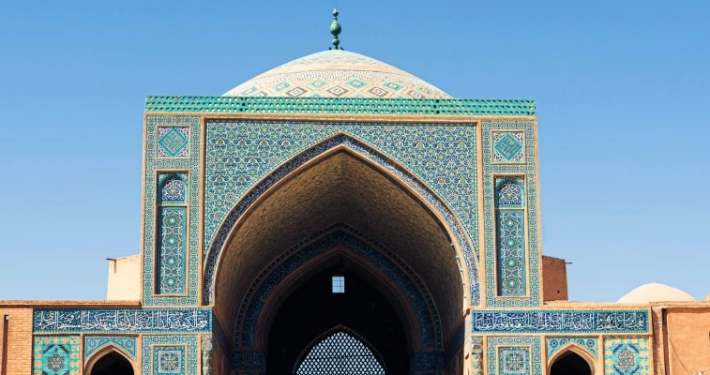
<point>654,292</point>
<point>338,74</point>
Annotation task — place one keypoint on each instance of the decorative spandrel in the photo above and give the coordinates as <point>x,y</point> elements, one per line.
<point>340,354</point>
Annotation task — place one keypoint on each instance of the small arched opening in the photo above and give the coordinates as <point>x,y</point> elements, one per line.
<point>111,363</point>
<point>571,363</point>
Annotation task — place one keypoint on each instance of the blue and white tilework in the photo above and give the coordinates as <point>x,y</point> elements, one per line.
<point>561,321</point>
<point>514,355</point>
<point>527,170</point>
<point>588,344</point>
<point>440,162</point>
<point>122,320</point>
<point>513,360</point>
<point>627,355</point>
<point>411,286</point>
<point>173,141</point>
<point>190,166</point>
<point>170,355</point>
<point>508,147</point>
<point>126,344</point>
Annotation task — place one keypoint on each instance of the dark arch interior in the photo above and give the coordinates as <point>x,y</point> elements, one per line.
<point>313,309</point>
<point>112,364</point>
<point>570,364</point>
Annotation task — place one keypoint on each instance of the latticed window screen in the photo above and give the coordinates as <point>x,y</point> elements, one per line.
<point>340,354</point>
<point>338,284</point>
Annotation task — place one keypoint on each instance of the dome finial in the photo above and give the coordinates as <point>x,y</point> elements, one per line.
<point>335,29</point>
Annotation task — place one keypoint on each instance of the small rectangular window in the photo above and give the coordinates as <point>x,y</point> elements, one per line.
<point>338,284</point>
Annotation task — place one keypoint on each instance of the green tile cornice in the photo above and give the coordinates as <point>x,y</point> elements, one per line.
<point>436,107</point>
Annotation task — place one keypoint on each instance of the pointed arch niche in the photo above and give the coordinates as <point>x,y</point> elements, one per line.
<point>340,180</point>
<point>572,360</point>
<point>110,360</point>
<point>340,350</point>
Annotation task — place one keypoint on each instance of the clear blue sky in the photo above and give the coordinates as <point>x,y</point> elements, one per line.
<point>623,93</point>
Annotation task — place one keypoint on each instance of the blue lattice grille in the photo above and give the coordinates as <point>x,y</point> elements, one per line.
<point>340,354</point>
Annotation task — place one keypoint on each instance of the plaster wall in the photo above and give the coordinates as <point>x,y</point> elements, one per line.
<point>16,343</point>
<point>554,279</point>
<point>688,343</point>
<point>124,281</point>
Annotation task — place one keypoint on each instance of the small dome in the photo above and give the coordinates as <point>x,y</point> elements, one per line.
<point>338,74</point>
<point>654,292</point>
<point>707,298</point>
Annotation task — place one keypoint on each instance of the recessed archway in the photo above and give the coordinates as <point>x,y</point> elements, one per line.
<point>109,362</point>
<point>571,361</point>
<point>341,186</point>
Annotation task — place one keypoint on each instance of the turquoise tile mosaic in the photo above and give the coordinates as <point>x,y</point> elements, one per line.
<point>511,259</point>
<point>355,105</point>
<point>171,250</point>
<point>190,166</point>
<point>588,344</point>
<point>560,321</point>
<point>528,171</point>
<point>439,161</point>
<point>57,355</point>
<point>627,355</point>
<point>508,147</point>
<point>122,320</point>
<point>173,142</point>
<point>170,355</point>
<point>126,344</point>
<point>514,355</point>
<point>513,360</point>
<point>411,286</point>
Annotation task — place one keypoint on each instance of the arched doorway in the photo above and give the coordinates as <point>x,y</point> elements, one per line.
<point>112,364</point>
<point>302,334</point>
<point>570,363</point>
<point>276,241</point>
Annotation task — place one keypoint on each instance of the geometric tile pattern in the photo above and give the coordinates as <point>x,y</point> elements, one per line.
<point>560,321</point>
<point>122,320</point>
<point>169,360</point>
<point>328,73</point>
<point>173,142</point>
<point>314,105</point>
<point>555,344</point>
<point>477,355</point>
<point>240,153</point>
<point>171,251</point>
<point>327,357</point>
<point>513,360</point>
<point>511,253</point>
<point>626,355</point>
<point>92,344</point>
<point>170,355</point>
<point>57,355</point>
<point>508,147</point>
<point>514,355</point>
<point>527,171</point>
<point>510,192</point>
<point>207,355</point>
<point>172,188</point>
<point>154,195</point>
<point>372,252</point>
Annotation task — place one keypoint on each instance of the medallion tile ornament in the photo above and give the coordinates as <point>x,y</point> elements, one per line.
<point>513,360</point>
<point>170,355</point>
<point>153,197</point>
<point>122,321</point>
<point>555,344</point>
<point>627,355</point>
<point>561,321</point>
<point>508,147</point>
<point>92,344</point>
<point>514,355</point>
<point>173,142</point>
<point>56,355</point>
<point>172,249</point>
<point>439,161</point>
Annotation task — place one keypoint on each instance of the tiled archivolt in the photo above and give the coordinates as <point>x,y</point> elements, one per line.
<point>92,344</point>
<point>555,344</point>
<point>240,153</point>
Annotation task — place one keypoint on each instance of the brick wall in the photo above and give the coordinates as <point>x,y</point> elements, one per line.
<point>124,278</point>
<point>18,360</point>
<point>554,279</point>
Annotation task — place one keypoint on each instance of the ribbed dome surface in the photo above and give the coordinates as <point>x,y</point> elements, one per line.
<point>338,74</point>
<point>654,292</point>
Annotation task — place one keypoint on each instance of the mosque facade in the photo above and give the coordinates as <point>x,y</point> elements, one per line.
<point>337,215</point>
